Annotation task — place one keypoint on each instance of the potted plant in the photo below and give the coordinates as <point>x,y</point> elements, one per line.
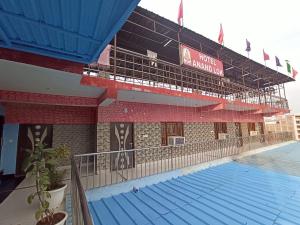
<point>39,165</point>
<point>56,187</point>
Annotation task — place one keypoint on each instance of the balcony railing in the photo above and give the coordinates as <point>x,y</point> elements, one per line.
<point>131,67</point>
<point>100,169</point>
<point>80,210</point>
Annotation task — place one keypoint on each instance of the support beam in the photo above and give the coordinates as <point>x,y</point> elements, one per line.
<point>209,108</point>
<point>108,97</point>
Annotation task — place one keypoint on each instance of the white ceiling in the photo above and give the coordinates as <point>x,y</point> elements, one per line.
<point>236,107</point>
<point>146,97</point>
<point>16,76</point>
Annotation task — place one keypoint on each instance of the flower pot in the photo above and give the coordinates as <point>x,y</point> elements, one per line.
<point>58,217</point>
<point>57,196</point>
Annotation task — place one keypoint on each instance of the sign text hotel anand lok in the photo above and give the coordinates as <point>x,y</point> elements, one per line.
<point>196,59</point>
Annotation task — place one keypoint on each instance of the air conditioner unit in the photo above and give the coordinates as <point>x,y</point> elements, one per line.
<point>176,140</point>
<point>253,133</point>
<point>223,136</point>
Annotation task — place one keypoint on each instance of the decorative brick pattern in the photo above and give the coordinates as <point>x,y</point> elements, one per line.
<point>147,135</point>
<point>231,130</point>
<point>103,143</point>
<point>80,138</point>
<point>245,132</point>
<point>198,132</point>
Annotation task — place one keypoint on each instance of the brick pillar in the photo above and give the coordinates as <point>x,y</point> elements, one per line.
<point>103,144</point>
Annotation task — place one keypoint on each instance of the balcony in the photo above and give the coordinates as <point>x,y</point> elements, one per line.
<point>95,173</point>
<point>134,68</point>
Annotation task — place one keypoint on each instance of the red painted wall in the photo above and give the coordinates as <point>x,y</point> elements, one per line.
<point>137,112</point>
<point>35,98</point>
<point>42,61</point>
<point>48,114</point>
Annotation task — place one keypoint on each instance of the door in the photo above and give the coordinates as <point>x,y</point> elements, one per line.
<point>238,134</point>
<point>1,134</point>
<point>121,138</point>
<point>29,137</point>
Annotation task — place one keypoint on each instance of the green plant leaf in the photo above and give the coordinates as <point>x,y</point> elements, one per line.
<point>30,198</point>
<point>39,213</point>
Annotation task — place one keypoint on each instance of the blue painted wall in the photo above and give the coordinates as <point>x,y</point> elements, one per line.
<point>10,145</point>
<point>9,149</point>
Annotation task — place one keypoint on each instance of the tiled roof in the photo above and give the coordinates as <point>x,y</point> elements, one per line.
<point>232,193</point>
<point>74,30</point>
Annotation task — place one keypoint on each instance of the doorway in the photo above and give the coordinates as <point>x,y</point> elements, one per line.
<point>121,138</point>
<point>29,137</point>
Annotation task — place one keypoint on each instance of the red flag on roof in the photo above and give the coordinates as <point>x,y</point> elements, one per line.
<point>221,35</point>
<point>180,14</point>
<point>295,72</point>
<point>266,56</point>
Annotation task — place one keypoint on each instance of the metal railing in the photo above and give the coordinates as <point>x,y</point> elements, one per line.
<point>131,67</point>
<point>112,167</point>
<point>80,210</point>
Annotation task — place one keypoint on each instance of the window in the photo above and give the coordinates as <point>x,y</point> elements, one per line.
<point>219,128</point>
<point>251,127</point>
<point>170,129</point>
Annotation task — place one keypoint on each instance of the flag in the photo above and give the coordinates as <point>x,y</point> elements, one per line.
<point>294,73</point>
<point>266,56</point>
<point>104,56</point>
<point>288,66</point>
<point>248,48</point>
<point>277,61</point>
<point>180,14</point>
<point>221,35</point>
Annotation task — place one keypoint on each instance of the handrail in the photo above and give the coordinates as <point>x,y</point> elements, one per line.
<point>105,168</point>
<point>86,216</point>
<point>135,66</point>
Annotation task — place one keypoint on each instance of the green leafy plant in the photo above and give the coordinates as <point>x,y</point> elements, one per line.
<point>41,164</point>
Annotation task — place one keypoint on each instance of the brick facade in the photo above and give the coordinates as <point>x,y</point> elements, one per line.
<point>147,135</point>
<point>244,127</point>
<point>198,132</point>
<point>103,143</point>
<point>80,138</point>
<point>103,137</point>
<point>231,130</point>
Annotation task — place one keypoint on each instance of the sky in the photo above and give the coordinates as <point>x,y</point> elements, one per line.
<point>270,25</point>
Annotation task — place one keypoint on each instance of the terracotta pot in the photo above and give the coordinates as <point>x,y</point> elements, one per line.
<point>60,218</point>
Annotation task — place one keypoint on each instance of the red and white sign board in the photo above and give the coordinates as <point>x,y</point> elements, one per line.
<point>198,60</point>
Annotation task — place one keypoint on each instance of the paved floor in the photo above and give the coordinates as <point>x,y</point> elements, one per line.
<point>285,159</point>
<point>7,185</point>
<point>14,210</point>
<point>233,193</point>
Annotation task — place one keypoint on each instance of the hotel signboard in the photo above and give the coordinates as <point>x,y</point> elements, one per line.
<point>199,60</point>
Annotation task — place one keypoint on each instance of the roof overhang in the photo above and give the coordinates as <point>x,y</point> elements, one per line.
<point>71,30</point>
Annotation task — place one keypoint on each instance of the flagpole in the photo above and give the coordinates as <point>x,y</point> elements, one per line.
<point>182,14</point>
